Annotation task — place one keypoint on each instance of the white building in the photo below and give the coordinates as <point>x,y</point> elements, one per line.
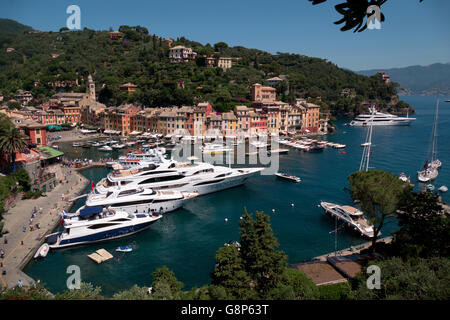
<point>181,53</point>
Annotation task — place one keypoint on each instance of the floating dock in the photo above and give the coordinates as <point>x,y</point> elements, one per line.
<point>101,255</point>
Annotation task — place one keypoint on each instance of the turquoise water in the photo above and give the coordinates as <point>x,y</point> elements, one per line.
<point>187,239</point>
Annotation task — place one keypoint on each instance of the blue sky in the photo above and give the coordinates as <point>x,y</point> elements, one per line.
<point>413,34</point>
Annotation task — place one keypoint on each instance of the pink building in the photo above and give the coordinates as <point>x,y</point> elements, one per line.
<point>263,94</point>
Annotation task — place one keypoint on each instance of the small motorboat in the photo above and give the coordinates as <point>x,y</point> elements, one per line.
<point>124,249</point>
<point>42,251</point>
<point>404,178</point>
<point>76,144</point>
<point>430,187</point>
<point>287,177</point>
<point>443,189</point>
<point>105,148</point>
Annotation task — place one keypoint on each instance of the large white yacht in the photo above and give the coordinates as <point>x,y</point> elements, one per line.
<point>380,119</point>
<point>197,177</point>
<point>352,216</point>
<point>95,224</point>
<point>139,200</point>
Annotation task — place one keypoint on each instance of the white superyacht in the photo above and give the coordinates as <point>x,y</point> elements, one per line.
<point>197,177</point>
<point>380,119</point>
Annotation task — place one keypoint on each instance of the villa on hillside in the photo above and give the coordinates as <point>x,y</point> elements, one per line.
<point>181,54</point>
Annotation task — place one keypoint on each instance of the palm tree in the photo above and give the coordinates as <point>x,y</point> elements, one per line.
<point>10,143</point>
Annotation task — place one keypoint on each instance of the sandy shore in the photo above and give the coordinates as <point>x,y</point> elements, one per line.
<point>22,242</point>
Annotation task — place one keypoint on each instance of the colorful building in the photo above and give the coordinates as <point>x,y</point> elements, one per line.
<point>119,118</point>
<point>263,94</point>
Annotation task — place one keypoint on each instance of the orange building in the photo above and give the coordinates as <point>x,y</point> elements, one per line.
<point>72,113</point>
<point>119,118</point>
<point>263,94</point>
<point>128,87</point>
<point>311,117</point>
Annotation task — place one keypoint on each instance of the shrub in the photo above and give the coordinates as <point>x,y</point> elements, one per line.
<point>338,291</point>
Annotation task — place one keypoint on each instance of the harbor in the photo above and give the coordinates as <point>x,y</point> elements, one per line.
<point>206,222</point>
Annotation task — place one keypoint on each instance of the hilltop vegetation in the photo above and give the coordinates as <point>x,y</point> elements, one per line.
<point>428,80</point>
<point>142,59</point>
<point>11,26</point>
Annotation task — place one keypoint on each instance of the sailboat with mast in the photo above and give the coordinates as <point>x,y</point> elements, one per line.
<point>350,215</point>
<point>431,169</point>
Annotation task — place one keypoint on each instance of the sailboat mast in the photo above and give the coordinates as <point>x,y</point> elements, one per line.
<point>434,145</point>
<point>365,160</point>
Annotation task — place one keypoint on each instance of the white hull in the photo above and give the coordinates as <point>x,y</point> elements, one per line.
<point>404,122</point>
<point>427,175</point>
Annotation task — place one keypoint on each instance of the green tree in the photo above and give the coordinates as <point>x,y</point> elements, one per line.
<point>262,261</point>
<point>86,292</point>
<point>381,193</point>
<point>165,285</point>
<point>219,46</point>
<point>425,227</point>
<point>134,293</point>
<point>414,279</point>
<point>10,143</point>
<point>353,12</point>
<point>230,273</point>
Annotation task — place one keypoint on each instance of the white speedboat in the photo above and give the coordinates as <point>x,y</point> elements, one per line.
<point>198,177</point>
<point>380,119</point>
<point>76,144</point>
<point>214,148</point>
<point>118,146</point>
<point>443,189</point>
<point>287,176</point>
<point>95,224</point>
<point>105,148</point>
<point>139,200</point>
<point>352,216</point>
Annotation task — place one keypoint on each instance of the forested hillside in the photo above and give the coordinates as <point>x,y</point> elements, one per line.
<point>142,59</point>
<point>429,80</point>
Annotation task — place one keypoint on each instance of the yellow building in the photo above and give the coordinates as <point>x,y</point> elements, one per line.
<point>224,63</point>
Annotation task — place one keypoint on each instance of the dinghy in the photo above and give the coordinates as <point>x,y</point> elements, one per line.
<point>42,251</point>
<point>124,249</point>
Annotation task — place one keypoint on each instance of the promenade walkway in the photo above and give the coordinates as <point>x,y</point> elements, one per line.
<point>21,242</point>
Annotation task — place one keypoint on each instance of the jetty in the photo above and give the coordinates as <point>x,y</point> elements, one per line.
<point>23,241</point>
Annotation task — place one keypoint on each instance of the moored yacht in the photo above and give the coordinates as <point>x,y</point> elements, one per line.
<point>139,200</point>
<point>352,216</point>
<point>380,119</point>
<point>198,177</point>
<point>95,224</point>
